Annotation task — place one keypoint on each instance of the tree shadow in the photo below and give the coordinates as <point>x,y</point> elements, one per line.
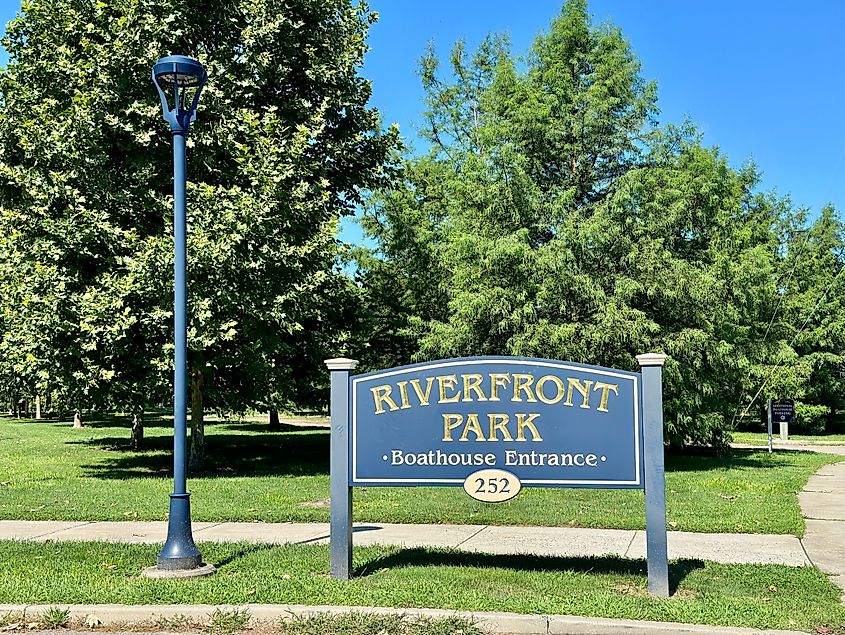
<point>264,428</point>
<point>244,551</point>
<point>735,458</point>
<point>417,557</point>
<point>251,449</point>
<point>292,452</point>
<point>151,420</point>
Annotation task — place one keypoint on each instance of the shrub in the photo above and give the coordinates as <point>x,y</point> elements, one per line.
<point>810,418</point>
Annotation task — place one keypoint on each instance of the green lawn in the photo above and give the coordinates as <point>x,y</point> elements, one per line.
<point>50,471</point>
<point>762,438</point>
<point>740,595</point>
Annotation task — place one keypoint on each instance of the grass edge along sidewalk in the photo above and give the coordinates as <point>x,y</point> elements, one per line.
<point>338,620</point>
<point>762,438</point>
<point>52,472</point>
<point>754,596</point>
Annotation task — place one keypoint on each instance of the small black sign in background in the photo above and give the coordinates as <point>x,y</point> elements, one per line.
<point>783,410</point>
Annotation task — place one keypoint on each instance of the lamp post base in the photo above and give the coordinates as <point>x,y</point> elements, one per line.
<point>179,552</point>
<point>171,574</point>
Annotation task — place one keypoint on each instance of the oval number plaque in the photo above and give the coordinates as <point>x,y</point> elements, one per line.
<point>492,486</point>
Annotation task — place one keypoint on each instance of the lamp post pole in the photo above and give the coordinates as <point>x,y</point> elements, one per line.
<point>179,552</point>
<point>183,74</point>
<point>180,309</point>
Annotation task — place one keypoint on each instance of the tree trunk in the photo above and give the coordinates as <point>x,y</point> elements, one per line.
<point>275,424</point>
<point>37,406</point>
<point>137,441</point>
<point>196,456</point>
<point>77,419</point>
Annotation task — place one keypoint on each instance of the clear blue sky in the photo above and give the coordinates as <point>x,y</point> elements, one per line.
<point>762,79</point>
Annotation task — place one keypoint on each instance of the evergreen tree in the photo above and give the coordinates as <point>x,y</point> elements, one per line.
<point>553,218</point>
<point>810,323</point>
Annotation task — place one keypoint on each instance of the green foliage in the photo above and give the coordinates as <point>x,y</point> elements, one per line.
<point>813,315</point>
<point>227,621</point>
<point>54,617</point>
<point>810,418</point>
<point>553,217</point>
<point>283,146</point>
<point>362,623</point>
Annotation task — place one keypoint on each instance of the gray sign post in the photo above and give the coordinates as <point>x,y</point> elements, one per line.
<point>655,480</point>
<point>769,420</point>
<point>340,520</point>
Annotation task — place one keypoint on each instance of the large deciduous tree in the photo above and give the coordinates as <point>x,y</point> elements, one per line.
<point>284,144</point>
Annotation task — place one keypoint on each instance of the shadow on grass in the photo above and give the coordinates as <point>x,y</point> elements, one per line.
<point>236,450</point>
<point>735,458</point>
<point>294,451</point>
<point>101,421</point>
<point>245,449</point>
<point>243,552</point>
<point>422,557</point>
<point>264,428</point>
<point>613,565</point>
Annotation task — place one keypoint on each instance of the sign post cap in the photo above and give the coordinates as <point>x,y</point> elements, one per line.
<point>341,363</point>
<point>651,359</point>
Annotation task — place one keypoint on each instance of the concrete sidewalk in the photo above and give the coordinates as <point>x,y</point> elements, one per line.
<point>544,541</point>
<point>798,446</point>
<point>823,506</point>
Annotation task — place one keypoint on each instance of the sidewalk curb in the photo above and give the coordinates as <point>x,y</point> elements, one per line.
<point>512,623</point>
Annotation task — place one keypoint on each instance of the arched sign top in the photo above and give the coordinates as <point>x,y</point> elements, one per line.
<point>550,423</point>
<point>486,359</point>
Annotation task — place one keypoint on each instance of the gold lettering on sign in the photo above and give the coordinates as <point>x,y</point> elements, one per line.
<point>403,392</point>
<point>541,394</point>
<point>527,421</point>
<point>381,396</point>
<point>448,382</point>
<point>582,387</point>
<point>498,380</point>
<point>450,422</point>
<point>549,389</point>
<point>605,393</point>
<point>499,423</point>
<point>522,383</point>
<point>472,383</point>
<point>472,425</point>
<point>422,396</point>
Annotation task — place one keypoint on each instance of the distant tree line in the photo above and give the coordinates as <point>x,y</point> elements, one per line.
<point>550,215</point>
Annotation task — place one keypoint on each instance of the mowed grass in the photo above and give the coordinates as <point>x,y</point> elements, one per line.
<point>762,438</point>
<point>708,593</point>
<point>49,471</point>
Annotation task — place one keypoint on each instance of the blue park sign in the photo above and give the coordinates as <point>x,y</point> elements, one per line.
<point>551,424</point>
<point>495,425</point>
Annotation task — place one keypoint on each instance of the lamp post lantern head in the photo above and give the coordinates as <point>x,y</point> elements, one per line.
<point>183,78</point>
